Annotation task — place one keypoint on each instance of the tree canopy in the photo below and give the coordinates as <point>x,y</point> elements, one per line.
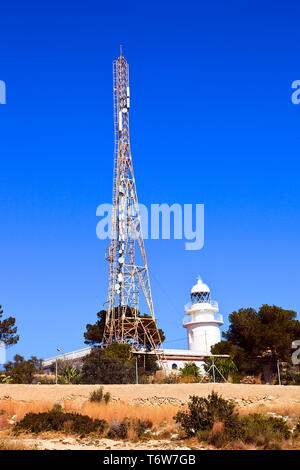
<point>256,337</point>
<point>100,367</point>
<point>94,332</point>
<point>272,329</point>
<point>8,330</point>
<point>21,371</point>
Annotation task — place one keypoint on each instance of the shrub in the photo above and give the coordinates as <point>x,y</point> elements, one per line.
<point>261,430</point>
<point>97,395</point>
<point>140,426</point>
<point>70,375</point>
<point>57,407</point>
<point>225,367</point>
<point>204,412</point>
<point>290,375</point>
<point>56,420</point>
<point>297,429</point>
<point>213,420</point>
<point>118,429</point>
<point>257,429</point>
<point>190,369</point>
<point>5,379</point>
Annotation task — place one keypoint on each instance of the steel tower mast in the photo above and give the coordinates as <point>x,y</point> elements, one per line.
<point>128,275</point>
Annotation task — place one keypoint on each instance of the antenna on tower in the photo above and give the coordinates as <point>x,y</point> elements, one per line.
<point>128,269</point>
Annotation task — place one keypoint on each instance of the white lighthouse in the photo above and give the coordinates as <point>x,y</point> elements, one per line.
<point>202,321</point>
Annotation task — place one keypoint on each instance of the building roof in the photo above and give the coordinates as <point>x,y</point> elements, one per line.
<point>200,287</point>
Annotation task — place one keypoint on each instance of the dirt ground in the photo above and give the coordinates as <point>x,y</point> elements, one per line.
<point>71,443</point>
<point>156,393</point>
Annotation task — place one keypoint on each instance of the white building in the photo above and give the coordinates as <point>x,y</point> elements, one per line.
<point>202,323</point>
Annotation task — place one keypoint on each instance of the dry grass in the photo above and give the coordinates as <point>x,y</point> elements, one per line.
<point>20,408</point>
<point>4,424</point>
<point>119,411</point>
<point>110,412</point>
<point>292,411</point>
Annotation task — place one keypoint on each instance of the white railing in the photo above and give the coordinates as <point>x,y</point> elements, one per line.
<point>191,318</point>
<point>214,304</point>
<point>67,356</point>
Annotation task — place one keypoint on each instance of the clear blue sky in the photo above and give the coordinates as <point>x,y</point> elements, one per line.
<point>211,122</point>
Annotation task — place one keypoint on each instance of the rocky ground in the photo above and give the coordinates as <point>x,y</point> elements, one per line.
<point>73,443</point>
<point>155,394</point>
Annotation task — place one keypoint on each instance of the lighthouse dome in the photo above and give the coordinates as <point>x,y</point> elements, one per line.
<point>200,293</point>
<point>200,287</point>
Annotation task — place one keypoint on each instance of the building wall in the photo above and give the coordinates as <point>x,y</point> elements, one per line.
<point>179,363</point>
<point>202,337</point>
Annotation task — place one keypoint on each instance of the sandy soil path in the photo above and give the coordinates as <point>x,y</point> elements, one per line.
<point>70,443</point>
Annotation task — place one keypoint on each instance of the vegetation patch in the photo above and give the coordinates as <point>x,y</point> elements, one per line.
<point>297,429</point>
<point>99,396</point>
<point>57,420</point>
<point>214,420</point>
<point>75,423</point>
<point>203,413</point>
<point>133,428</point>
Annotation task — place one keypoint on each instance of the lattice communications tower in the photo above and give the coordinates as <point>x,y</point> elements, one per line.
<point>128,269</point>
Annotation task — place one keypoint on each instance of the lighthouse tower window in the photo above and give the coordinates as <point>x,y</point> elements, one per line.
<point>200,298</point>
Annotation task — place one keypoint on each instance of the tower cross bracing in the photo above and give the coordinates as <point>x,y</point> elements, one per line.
<point>128,269</point>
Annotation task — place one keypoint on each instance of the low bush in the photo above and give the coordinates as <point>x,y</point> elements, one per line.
<point>57,420</point>
<point>140,426</point>
<point>57,407</point>
<point>297,429</point>
<point>98,396</point>
<point>120,429</point>
<point>261,430</point>
<point>106,397</point>
<point>204,412</point>
<point>213,420</point>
